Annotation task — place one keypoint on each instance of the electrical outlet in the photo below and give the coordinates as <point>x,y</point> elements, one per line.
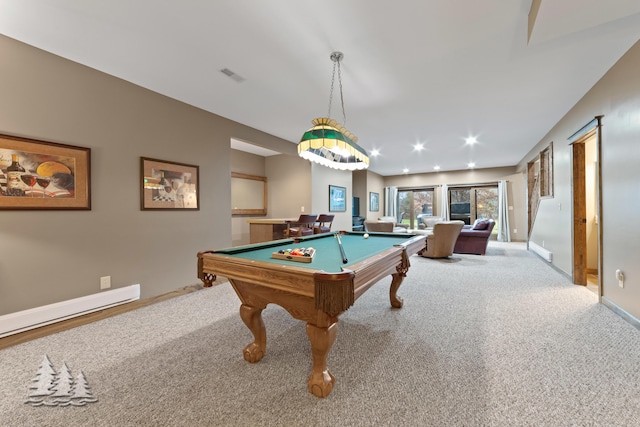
<point>620,277</point>
<point>301,208</point>
<point>515,231</point>
<point>105,282</point>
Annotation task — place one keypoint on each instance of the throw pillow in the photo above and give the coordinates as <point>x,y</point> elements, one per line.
<point>480,224</point>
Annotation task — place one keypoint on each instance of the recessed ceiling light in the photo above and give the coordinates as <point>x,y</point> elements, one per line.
<point>470,140</point>
<point>418,147</point>
<point>471,165</point>
<point>375,152</point>
<point>436,167</point>
<point>405,170</point>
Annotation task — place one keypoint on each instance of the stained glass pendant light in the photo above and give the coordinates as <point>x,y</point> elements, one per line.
<point>328,142</point>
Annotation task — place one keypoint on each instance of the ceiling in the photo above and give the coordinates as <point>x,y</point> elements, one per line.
<point>414,72</point>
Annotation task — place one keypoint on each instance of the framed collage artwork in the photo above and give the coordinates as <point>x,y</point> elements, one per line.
<point>167,185</point>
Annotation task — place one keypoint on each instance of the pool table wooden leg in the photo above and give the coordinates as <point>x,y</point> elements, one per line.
<point>252,317</point>
<point>321,381</point>
<point>396,301</point>
<point>398,277</point>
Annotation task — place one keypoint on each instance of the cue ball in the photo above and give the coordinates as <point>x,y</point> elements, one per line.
<point>365,235</point>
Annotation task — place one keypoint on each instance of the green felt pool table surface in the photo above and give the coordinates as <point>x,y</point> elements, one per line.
<point>327,256</point>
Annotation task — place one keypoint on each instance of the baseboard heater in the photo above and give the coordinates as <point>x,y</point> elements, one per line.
<point>542,252</point>
<point>47,314</point>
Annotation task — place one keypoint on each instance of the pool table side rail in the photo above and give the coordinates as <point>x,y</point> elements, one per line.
<point>289,278</point>
<point>333,292</point>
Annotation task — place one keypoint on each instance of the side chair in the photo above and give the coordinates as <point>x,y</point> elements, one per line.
<point>323,224</point>
<point>302,227</point>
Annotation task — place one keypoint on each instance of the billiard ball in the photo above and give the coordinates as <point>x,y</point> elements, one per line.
<point>365,235</point>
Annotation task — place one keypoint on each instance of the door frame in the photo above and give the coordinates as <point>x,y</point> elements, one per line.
<point>578,203</point>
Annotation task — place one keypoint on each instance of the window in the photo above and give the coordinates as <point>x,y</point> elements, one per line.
<point>413,204</point>
<point>470,203</point>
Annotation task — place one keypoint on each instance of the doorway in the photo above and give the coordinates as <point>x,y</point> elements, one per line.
<point>586,206</point>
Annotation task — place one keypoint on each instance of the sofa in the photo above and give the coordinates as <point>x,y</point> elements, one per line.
<point>378,226</point>
<point>474,239</point>
<point>395,228</point>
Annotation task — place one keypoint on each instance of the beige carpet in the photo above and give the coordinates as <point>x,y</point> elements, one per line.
<point>495,340</point>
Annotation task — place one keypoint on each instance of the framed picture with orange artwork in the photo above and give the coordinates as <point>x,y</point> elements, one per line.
<point>38,174</point>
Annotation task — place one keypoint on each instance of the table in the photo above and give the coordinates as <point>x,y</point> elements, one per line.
<point>264,230</point>
<point>317,292</point>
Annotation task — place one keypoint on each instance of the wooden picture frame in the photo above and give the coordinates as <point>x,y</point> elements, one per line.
<point>38,174</point>
<point>337,199</point>
<point>374,201</point>
<point>166,185</point>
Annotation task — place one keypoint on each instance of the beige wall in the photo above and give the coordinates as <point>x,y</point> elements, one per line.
<point>515,190</point>
<point>617,97</point>
<point>360,189</point>
<point>591,201</point>
<point>51,256</point>
<point>364,183</point>
<point>290,187</point>
<point>322,177</point>
<point>375,184</point>
<point>249,164</point>
<point>449,177</point>
<point>517,195</point>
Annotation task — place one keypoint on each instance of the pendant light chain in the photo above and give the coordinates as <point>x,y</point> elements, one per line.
<point>333,77</point>
<point>336,57</point>
<point>344,115</point>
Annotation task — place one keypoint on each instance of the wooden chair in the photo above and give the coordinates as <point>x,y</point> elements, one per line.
<point>323,224</point>
<point>302,227</point>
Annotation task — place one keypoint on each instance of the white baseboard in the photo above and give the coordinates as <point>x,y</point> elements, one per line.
<point>32,318</point>
<point>542,252</point>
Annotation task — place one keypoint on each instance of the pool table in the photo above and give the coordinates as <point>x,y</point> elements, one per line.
<point>317,292</point>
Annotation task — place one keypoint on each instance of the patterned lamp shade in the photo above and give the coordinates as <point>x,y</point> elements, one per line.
<point>328,143</point>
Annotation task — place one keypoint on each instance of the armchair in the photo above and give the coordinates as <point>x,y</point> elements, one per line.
<point>302,227</point>
<point>441,242</point>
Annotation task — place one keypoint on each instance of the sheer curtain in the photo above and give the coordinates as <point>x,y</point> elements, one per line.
<point>444,202</point>
<point>390,201</point>
<point>503,213</point>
